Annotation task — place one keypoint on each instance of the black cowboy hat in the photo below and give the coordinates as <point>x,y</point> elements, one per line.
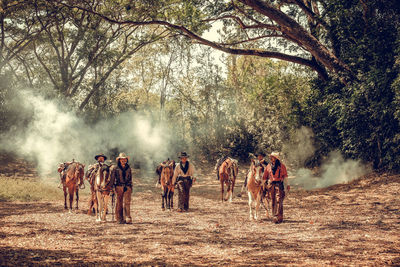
<point>100,155</point>
<point>183,155</point>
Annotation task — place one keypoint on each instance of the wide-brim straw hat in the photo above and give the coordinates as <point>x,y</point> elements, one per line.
<point>122,156</point>
<point>100,155</point>
<point>275,155</point>
<point>183,155</point>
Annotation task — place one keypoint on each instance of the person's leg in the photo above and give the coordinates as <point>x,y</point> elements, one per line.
<point>273,196</point>
<point>180,195</point>
<point>281,196</point>
<point>127,204</point>
<point>119,214</point>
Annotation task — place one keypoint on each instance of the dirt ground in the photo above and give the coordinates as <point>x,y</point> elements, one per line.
<point>347,225</point>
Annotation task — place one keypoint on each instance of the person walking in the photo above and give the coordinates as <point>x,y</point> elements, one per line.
<point>121,174</point>
<point>183,179</point>
<point>275,177</point>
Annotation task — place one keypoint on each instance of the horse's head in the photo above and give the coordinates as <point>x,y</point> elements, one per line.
<point>167,172</point>
<point>256,169</point>
<point>80,170</point>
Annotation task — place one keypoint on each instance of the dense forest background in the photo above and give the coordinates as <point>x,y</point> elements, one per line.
<point>325,69</point>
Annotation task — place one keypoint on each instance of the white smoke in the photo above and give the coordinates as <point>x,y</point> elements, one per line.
<point>300,147</point>
<point>55,136</point>
<point>335,170</point>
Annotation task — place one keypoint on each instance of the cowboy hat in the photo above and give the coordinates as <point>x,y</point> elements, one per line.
<point>100,155</point>
<point>122,156</point>
<point>275,155</point>
<point>183,155</point>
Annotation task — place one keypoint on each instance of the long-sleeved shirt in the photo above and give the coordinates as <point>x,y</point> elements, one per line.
<point>280,175</point>
<point>122,176</point>
<point>179,172</point>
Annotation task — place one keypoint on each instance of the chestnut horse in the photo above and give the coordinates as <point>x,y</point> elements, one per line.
<point>73,180</point>
<point>227,173</point>
<point>255,190</point>
<point>103,186</point>
<point>167,196</point>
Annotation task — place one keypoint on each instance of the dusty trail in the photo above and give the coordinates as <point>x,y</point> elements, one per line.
<point>352,224</point>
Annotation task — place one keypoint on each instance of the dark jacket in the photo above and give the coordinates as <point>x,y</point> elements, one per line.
<point>121,177</point>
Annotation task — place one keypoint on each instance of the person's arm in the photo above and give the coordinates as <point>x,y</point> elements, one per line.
<point>285,177</point>
<point>265,175</point>
<point>129,177</point>
<point>176,172</point>
<point>192,172</point>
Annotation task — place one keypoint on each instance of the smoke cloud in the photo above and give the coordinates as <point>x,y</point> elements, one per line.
<point>334,170</point>
<point>55,136</point>
<point>300,147</point>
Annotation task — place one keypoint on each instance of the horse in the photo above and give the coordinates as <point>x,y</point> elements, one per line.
<point>103,186</point>
<point>227,173</point>
<point>160,167</point>
<point>255,190</point>
<point>90,177</point>
<point>167,196</point>
<point>73,180</point>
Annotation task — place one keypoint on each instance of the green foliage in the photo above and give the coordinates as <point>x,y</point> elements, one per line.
<point>360,118</point>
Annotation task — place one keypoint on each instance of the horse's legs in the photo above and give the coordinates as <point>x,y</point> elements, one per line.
<point>163,197</point>
<point>65,197</point>
<point>71,196</point>
<point>99,206</point>
<point>167,198</point>
<point>258,202</point>
<point>171,198</point>
<point>91,203</point>
<point>233,186</point>
<point>77,197</point>
<point>250,205</point>
<point>221,179</point>
<point>106,198</point>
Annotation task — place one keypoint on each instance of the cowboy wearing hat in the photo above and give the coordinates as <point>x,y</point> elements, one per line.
<point>122,176</point>
<point>183,179</point>
<point>90,174</point>
<point>275,175</point>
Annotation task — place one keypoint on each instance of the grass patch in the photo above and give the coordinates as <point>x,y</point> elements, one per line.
<point>27,190</point>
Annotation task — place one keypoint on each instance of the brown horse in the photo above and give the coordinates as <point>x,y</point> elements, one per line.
<point>227,173</point>
<point>167,196</point>
<point>90,177</point>
<point>73,180</point>
<point>255,190</point>
<point>103,186</point>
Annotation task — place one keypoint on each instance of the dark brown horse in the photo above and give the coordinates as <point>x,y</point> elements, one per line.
<point>167,196</point>
<point>73,180</point>
<point>227,173</point>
